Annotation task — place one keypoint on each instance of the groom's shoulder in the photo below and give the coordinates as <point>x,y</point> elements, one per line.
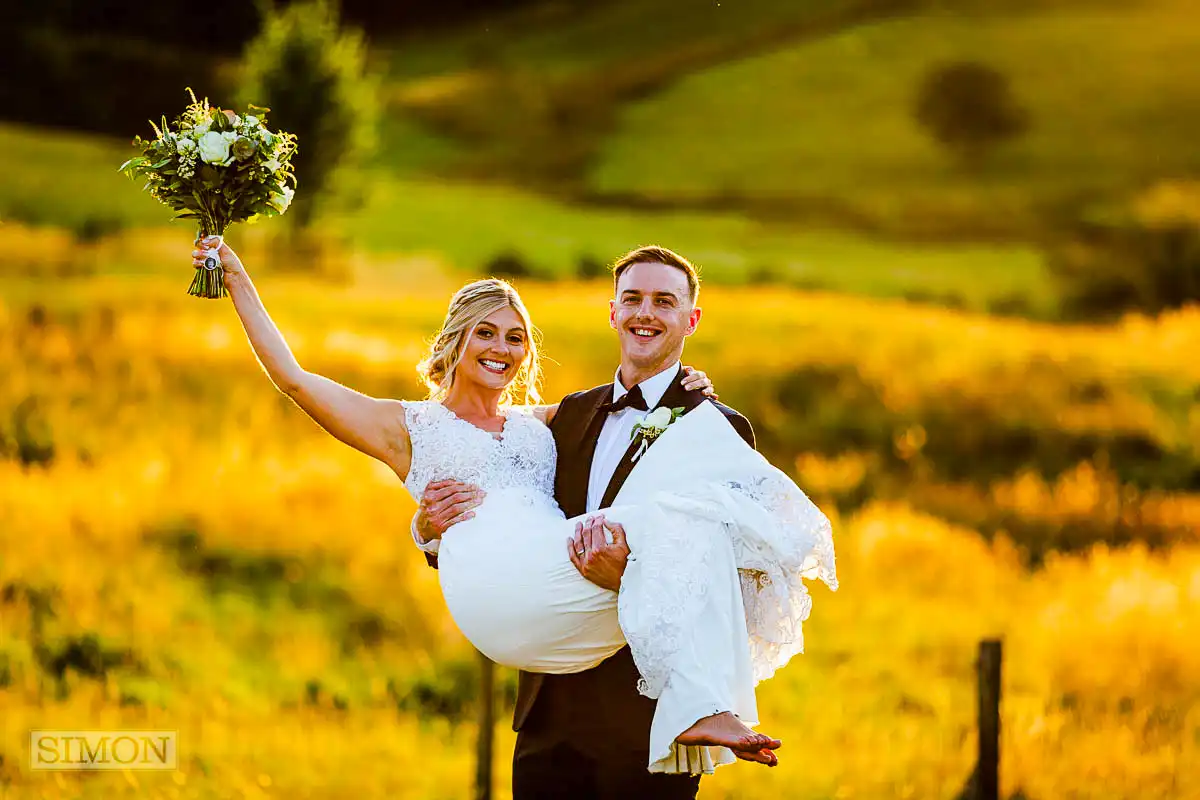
<point>586,397</point>
<point>737,420</point>
<point>576,407</point>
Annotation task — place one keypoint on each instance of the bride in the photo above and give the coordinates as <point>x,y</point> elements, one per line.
<point>712,599</point>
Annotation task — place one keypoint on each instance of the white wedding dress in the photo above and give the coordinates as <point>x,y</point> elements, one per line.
<point>712,599</point>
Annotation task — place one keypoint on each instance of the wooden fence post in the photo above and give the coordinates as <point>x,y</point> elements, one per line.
<point>487,726</point>
<point>988,766</point>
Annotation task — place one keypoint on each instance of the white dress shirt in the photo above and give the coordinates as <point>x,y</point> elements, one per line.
<point>615,435</point>
<point>614,440</point>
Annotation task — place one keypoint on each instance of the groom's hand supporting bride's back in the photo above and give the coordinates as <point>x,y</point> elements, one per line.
<point>445,504</point>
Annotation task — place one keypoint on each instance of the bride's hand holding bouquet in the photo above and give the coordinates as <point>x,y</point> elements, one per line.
<point>231,266</point>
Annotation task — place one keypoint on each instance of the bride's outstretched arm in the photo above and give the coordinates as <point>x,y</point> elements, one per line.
<point>371,425</point>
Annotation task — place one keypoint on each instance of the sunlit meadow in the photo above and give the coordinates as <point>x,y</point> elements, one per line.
<point>184,549</point>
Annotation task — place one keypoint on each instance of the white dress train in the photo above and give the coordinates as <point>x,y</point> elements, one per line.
<point>713,597</point>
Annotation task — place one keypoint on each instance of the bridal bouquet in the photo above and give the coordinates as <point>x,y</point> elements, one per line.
<point>216,167</point>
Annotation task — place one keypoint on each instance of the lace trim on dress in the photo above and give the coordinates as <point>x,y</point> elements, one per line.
<point>447,447</point>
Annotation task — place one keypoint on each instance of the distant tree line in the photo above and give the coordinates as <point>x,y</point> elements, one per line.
<point>108,65</point>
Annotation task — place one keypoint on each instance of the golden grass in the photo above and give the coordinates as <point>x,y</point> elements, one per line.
<point>162,423</point>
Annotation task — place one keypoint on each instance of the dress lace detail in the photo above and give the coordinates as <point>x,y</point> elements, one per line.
<point>447,447</point>
<point>715,505</point>
<point>773,567</point>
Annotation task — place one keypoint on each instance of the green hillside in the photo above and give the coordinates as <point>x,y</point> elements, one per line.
<point>573,38</point>
<point>1113,92</point>
<point>530,95</point>
<point>68,179</point>
<point>804,110</point>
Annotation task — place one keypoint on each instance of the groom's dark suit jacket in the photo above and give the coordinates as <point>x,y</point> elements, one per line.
<point>586,735</point>
<point>576,428</point>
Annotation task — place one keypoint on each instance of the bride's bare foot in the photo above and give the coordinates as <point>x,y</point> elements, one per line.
<point>726,730</point>
<point>763,756</point>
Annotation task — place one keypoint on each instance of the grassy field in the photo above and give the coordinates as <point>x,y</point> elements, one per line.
<point>1110,88</point>
<point>462,226</point>
<point>185,549</point>
<point>470,224</point>
<point>71,180</point>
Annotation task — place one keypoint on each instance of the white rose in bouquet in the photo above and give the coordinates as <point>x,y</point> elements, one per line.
<point>282,201</point>
<point>214,148</point>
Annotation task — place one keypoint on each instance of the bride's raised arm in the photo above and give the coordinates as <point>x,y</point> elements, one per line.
<point>371,425</point>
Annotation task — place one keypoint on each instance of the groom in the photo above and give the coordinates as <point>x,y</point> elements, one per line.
<point>586,735</point>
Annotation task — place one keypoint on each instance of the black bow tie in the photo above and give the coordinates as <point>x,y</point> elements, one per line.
<point>631,399</point>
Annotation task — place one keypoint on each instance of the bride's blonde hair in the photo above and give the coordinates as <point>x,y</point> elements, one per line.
<point>469,306</point>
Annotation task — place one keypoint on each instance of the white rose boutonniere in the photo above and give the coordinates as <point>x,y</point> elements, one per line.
<point>653,426</point>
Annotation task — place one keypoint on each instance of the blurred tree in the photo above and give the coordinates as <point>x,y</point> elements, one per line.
<point>508,265</point>
<point>969,108</point>
<point>590,268</point>
<point>1143,256</point>
<point>313,76</point>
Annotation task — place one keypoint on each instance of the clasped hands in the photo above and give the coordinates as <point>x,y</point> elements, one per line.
<point>446,503</point>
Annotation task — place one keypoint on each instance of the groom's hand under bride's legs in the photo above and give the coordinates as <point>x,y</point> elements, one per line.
<point>600,562</point>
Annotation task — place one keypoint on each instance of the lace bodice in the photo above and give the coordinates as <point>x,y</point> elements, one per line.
<point>447,447</point>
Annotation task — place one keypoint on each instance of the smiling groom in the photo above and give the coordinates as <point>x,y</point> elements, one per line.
<point>586,735</point>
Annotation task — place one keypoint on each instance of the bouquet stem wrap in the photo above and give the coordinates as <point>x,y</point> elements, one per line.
<point>210,278</point>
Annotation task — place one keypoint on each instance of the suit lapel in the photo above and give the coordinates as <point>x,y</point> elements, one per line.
<point>675,397</point>
<point>581,465</point>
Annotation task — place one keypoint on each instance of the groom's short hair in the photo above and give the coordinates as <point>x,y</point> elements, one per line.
<point>654,254</point>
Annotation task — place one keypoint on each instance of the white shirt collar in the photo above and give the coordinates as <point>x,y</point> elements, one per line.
<point>653,388</point>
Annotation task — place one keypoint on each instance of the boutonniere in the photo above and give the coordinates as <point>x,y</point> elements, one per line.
<point>652,427</point>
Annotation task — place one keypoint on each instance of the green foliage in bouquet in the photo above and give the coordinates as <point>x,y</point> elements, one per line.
<point>216,167</point>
